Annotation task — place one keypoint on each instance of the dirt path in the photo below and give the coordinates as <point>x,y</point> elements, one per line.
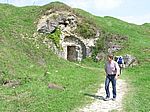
<point>106,106</point>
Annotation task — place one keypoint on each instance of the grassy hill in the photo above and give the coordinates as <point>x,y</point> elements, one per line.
<point>33,66</point>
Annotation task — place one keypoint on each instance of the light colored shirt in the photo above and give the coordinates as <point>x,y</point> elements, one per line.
<point>112,68</point>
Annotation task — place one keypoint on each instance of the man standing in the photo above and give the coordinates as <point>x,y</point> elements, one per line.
<point>112,72</point>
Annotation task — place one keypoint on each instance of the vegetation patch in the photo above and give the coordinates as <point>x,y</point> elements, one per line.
<point>86,30</point>
<point>55,37</point>
<point>55,6</point>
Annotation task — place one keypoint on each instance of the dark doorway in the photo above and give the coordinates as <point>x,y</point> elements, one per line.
<point>71,53</point>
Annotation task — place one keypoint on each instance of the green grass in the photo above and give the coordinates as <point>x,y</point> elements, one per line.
<point>29,61</point>
<point>138,98</point>
<point>34,95</point>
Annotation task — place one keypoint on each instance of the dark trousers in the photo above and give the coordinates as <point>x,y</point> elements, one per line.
<point>110,78</point>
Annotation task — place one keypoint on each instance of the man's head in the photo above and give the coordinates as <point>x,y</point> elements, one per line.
<point>110,57</point>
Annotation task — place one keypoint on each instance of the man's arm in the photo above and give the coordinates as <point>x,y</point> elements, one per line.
<point>117,70</point>
<point>106,68</point>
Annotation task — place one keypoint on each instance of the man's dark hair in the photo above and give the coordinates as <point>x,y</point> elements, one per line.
<point>111,56</point>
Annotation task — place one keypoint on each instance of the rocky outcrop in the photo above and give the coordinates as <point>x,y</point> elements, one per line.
<point>100,56</point>
<point>72,44</point>
<point>115,42</point>
<point>66,21</point>
<point>112,47</point>
<point>130,60</point>
<point>55,86</point>
<point>11,83</point>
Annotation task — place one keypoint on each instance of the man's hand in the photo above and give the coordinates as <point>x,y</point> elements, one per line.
<point>116,77</point>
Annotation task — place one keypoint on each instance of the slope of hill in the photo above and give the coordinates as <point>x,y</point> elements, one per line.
<point>27,66</point>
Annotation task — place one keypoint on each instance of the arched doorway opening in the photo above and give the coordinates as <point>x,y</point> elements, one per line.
<point>74,48</point>
<point>72,54</point>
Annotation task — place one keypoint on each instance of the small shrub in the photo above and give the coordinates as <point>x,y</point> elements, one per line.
<point>55,37</point>
<point>85,30</point>
<point>101,45</point>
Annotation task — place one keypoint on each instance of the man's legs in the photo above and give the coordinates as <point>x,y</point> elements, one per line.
<point>113,80</point>
<point>107,81</point>
<point>120,66</point>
